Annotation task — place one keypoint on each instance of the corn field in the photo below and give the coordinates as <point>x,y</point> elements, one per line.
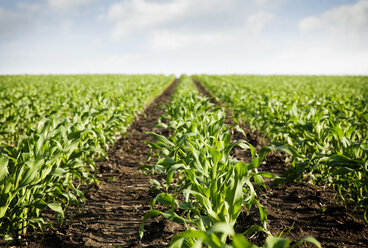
<point>52,130</point>
<point>55,129</point>
<point>324,120</point>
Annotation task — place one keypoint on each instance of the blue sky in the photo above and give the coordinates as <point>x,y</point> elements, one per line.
<point>184,36</point>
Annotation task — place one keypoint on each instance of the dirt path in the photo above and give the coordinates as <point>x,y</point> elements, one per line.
<point>311,210</point>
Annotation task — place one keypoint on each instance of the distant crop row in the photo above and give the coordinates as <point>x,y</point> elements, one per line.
<point>324,119</point>
<point>52,130</point>
<point>25,100</point>
<point>211,188</point>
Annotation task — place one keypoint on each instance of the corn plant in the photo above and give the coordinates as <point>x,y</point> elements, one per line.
<point>51,148</point>
<point>39,173</point>
<point>212,187</point>
<point>26,99</point>
<point>324,119</point>
<point>212,238</point>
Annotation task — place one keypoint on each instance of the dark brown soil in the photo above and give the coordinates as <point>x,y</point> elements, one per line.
<point>302,208</point>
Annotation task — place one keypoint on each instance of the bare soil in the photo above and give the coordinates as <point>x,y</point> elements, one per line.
<point>115,208</point>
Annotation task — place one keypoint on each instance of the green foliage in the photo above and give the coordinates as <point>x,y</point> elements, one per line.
<point>59,126</point>
<point>26,99</point>
<point>322,120</point>
<point>213,238</point>
<point>210,187</point>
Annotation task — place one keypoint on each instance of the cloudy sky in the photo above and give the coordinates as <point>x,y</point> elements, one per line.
<point>184,36</point>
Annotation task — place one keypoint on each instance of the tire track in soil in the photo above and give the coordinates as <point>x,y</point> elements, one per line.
<point>115,209</point>
<point>314,210</point>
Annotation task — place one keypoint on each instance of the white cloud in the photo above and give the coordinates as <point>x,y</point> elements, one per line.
<point>335,41</point>
<point>344,23</point>
<point>54,8</point>
<point>318,59</point>
<point>164,40</point>
<point>68,4</point>
<point>27,8</point>
<point>130,16</point>
<point>137,36</point>
<point>257,22</point>
<point>10,21</point>
<point>189,17</point>
<point>270,2</point>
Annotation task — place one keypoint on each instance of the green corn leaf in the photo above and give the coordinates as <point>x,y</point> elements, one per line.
<point>224,228</point>
<point>5,199</point>
<point>3,168</point>
<point>266,174</point>
<point>59,172</point>
<point>167,162</point>
<point>186,205</point>
<point>263,214</point>
<point>286,149</point>
<point>148,215</point>
<point>165,198</point>
<point>263,153</point>
<point>39,145</point>
<point>58,209</point>
<point>342,171</point>
<point>274,242</point>
<point>254,228</point>
<point>308,240</point>
<point>239,241</point>
<point>184,137</point>
<point>178,240</point>
<point>34,167</point>
<point>171,172</point>
<point>205,202</point>
<point>161,138</point>
<point>341,160</point>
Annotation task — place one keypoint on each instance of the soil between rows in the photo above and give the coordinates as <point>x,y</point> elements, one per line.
<point>115,208</point>
<point>302,208</point>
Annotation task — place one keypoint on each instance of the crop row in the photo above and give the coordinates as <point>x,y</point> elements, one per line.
<point>211,187</point>
<point>324,120</point>
<point>26,99</point>
<point>53,130</point>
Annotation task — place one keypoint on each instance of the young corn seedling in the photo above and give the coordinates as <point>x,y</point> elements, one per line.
<point>322,119</point>
<point>214,236</point>
<point>214,186</point>
<point>44,160</point>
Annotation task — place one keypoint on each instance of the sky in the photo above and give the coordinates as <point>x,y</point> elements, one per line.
<point>313,37</point>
